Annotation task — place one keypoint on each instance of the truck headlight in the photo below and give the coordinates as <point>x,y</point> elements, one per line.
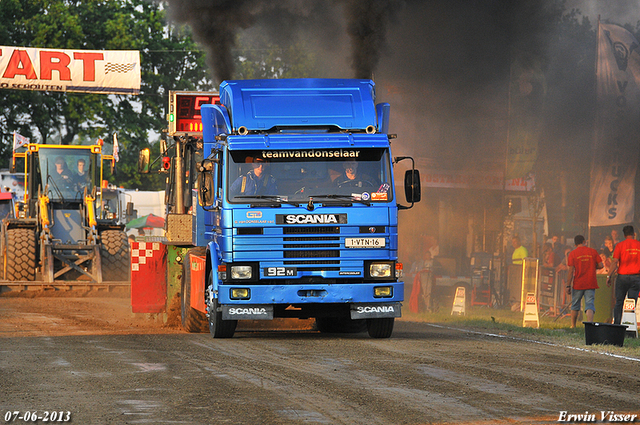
<point>380,270</point>
<point>241,272</point>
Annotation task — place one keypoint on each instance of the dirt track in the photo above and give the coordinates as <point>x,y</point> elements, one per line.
<point>92,357</point>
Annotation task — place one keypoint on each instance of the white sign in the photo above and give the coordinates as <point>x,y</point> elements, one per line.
<point>88,71</point>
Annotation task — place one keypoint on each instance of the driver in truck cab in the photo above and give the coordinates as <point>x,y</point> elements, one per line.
<point>257,181</point>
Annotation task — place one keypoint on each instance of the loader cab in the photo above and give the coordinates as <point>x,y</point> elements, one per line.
<point>65,174</point>
<point>61,173</point>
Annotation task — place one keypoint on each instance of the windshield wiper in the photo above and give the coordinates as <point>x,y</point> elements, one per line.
<point>348,198</point>
<point>275,198</point>
<point>54,185</point>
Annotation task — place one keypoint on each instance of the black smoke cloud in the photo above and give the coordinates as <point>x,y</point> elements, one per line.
<point>367,22</point>
<point>215,24</point>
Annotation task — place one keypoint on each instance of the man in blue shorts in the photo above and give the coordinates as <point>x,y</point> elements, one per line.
<point>583,262</point>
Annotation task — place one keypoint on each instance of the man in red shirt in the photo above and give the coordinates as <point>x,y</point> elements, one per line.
<point>626,262</point>
<point>583,262</point>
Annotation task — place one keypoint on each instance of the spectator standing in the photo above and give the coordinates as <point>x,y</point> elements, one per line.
<point>558,250</point>
<point>608,246</point>
<point>606,261</point>
<point>434,247</point>
<point>548,256</point>
<point>583,263</point>
<point>519,251</point>
<point>626,263</point>
<point>615,236</point>
<point>422,289</point>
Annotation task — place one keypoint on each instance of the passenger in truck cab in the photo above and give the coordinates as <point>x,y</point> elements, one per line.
<point>351,177</point>
<point>257,181</point>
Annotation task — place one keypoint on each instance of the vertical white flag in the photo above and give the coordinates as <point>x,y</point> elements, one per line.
<point>116,148</point>
<point>617,131</point>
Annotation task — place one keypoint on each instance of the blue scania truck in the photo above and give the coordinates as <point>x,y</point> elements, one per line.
<point>297,212</point>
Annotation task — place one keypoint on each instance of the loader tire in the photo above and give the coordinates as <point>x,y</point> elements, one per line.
<point>21,254</point>
<point>114,256</point>
<point>192,319</point>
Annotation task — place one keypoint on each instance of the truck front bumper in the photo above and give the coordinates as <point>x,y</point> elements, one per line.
<point>354,311</point>
<point>312,293</point>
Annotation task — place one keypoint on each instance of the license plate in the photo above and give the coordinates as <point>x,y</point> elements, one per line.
<point>364,242</point>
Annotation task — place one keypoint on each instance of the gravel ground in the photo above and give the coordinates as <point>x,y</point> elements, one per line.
<point>92,357</point>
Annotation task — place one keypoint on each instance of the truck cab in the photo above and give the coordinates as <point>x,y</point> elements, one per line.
<point>301,207</point>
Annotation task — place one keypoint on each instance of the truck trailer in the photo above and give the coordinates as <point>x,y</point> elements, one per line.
<point>297,211</point>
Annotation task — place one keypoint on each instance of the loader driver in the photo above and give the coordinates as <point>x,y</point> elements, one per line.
<point>256,182</point>
<point>62,176</point>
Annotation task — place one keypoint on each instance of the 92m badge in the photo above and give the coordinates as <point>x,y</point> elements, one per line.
<point>280,271</point>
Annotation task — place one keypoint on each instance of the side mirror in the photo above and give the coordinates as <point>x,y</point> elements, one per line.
<point>143,161</point>
<point>205,189</point>
<point>412,186</point>
<point>129,211</point>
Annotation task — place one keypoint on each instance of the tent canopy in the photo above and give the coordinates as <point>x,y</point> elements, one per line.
<point>147,221</point>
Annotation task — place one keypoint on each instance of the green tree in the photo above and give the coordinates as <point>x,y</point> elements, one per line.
<point>170,60</point>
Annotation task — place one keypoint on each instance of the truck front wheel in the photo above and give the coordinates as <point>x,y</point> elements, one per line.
<point>217,327</point>
<point>380,328</point>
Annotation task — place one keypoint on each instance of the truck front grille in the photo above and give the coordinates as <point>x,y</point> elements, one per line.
<point>312,254</point>
<point>310,230</point>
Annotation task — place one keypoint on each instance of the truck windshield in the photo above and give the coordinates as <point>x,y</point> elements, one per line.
<point>295,175</point>
<point>66,172</point>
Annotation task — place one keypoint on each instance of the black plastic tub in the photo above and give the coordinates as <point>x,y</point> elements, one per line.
<point>604,333</point>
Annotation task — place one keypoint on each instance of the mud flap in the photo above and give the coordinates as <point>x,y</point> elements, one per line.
<point>197,264</point>
<point>375,310</point>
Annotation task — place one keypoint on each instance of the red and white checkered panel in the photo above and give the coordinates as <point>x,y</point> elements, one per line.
<point>141,252</point>
<point>148,277</point>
